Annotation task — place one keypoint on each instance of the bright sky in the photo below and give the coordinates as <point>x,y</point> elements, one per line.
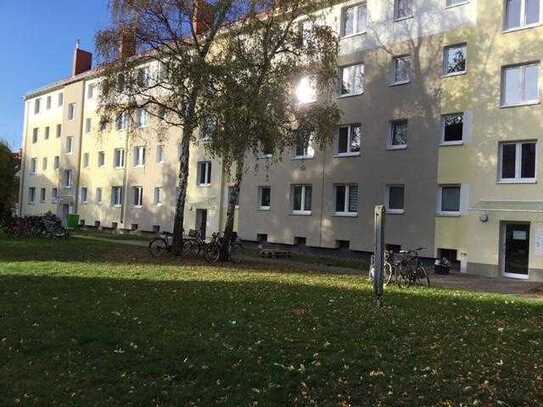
<point>37,40</point>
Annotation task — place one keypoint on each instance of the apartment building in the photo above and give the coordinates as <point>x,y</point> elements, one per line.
<point>441,121</point>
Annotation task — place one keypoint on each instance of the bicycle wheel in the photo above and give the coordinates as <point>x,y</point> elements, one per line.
<point>191,248</point>
<point>423,278</point>
<point>212,253</point>
<point>158,247</point>
<point>387,270</point>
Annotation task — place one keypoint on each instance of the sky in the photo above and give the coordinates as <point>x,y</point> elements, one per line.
<point>37,41</point>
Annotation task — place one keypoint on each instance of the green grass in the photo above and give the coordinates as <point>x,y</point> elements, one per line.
<point>94,323</point>
<point>115,236</point>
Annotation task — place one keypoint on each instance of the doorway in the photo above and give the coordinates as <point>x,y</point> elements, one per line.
<point>515,249</point>
<point>201,222</point>
<point>65,213</point>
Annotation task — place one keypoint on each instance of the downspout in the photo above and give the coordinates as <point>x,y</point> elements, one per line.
<point>322,195</point>
<point>76,207</point>
<point>125,178</point>
<point>23,161</point>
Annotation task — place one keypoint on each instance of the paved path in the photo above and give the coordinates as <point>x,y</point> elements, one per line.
<point>452,281</point>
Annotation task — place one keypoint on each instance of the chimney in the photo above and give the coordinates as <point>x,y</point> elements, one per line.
<point>127,46</point>
<point>82,60</point>
<point>203,19</point>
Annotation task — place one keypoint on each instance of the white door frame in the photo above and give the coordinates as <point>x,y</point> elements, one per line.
<point>503,242</point>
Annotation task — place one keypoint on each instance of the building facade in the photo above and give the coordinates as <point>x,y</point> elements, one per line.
<point>441,122</point>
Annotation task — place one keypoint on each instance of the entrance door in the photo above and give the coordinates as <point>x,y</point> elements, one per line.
<point>65,213</point>
<point>516,250</point>
<point>201,221</point>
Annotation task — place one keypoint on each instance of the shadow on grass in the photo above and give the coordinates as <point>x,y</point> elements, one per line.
<point>218,339</point>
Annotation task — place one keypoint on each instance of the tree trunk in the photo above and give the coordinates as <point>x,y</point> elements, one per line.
<point>231,212</point>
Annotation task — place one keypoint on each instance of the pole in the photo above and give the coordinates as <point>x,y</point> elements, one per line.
<point>379,254</point>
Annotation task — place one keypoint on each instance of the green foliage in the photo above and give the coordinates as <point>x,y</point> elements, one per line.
<point>9,166</point>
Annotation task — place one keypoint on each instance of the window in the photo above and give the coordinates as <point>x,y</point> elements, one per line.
<point>517,162</point>
<point>398,134</point>
<point>454,58</point>
<point>449,202</point>
<point>60,100</point>
<point>68,178</point>
<point>142,77</point>
<point>522,13</point>
<point>44,163</point>
<point>232,194</point>
<point>101,158</point>
<point>306,90</point>
<point>84,195</point>
<point>355,19</point>
<point>37,106</point>
<point>520,84</point>
<point>403,9</point>
<point>301,199</point>
<point>401,68</point>
<point>71,111</point>
<point>56,162</point>
<point>158,196</point>
<point>264,198</point>
<point>69,145</point>
<point>35,133</point>
<point>451,3</point>
<point>138,196</point>
<point>453,128</point>
<point>118,158</point>
<point>351,80</point>
<point>54,195</point>
<point>117,196</point>
<point>143,118</point>
<point>43,195</point>
<point>59,130</point>
<point>204,173</point>
<point>121,121</point>
<point>90,90</point>
<point>139,156</point>
<point>305,29</point>
<point>349,140</point>
<point>99,195</point>
<point>160,153</point>
<point>33,165</point>
<point>394,199</point>
<point>48,103</point>
<point>88,125</point>
<point>31,195</point>
<point>304,144</point>
<point>47,131</point>
<point>347,200</point>
<point>86,160</point>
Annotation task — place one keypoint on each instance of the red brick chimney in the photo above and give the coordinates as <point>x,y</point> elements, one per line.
<point>203,18</point>
<point>82,61</point>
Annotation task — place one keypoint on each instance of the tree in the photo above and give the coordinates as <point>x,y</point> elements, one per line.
<point>176,35</point>
<point>9,166</point>
<point>262,93</point>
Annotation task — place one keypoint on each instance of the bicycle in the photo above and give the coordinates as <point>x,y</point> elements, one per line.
<point>411,270</point>
<point>213,249</point>
<point>388,269</point>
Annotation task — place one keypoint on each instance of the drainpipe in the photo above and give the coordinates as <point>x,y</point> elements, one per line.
<point>81,120</point>
<point>322,195</point>
<point>23,161</point>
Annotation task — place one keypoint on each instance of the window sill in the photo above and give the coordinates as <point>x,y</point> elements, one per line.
<point>399,83</point>
<point>116,206</point>
<point>264,208</point>
<point>457,5</point>
<point>521,28</point>
<point>350,95</point>
<point>395,211</point>
<point>264,157</point>
<point>449,214</point>
<point>346,214</point>
<point>138,206</point>
<point>119,168</point>
<point>301,213</point>
<point>303,157</point>
<point>400,19</point>
<point>516,181</point>
<point>453,74</point>
<point>344,155</point>
<point>139,166</point>
<point>204,185</point>
<point>397,147</point>
<point>451,143</point>
<point>158,204</point>
<point>346,37</point>
<point>513,105</point>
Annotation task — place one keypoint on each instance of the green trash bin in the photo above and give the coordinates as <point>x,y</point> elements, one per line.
<point>73,221</point>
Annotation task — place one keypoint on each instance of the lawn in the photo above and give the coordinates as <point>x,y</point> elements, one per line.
<point>93,323</point>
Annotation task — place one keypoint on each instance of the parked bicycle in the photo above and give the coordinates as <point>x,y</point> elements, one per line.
<point>212,252</point>
<point>404,269</point>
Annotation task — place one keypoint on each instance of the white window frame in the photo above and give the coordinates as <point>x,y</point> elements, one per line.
<point>56,162</point>
<point>446,50</point>
<point>453,142</point>
<point>392,124</point>
<point>395,211</point>
<point>35,135</point>
<point>143,118</point>
<point>121,122</point>
<point>120,163</point>
<point>261,207</point>
<point>84,195</point>
<point>352,79</point>
<point>69,145</point>
<point>523,24</point>
<point>204,168</point>
<point>91,87</point>
<point>307,147</point>
<point>518,163</point>
<point>44,164</point>
<point>101,161</point>
<point>31,195</point>
<point>47,133</point>
<point>48,102</point>
<point>59,130</point>
<point>37,106</point>
<point>301,211</point>
<point>522,67</point>
<point>157,198</point>
<point>139,156</point>
<point>71,111</point>
<point>395,61</point>
<point>346,212</point>
<point>60,99</point>
<point>356,6</point>
<point>440,200</point>
<point>54,195</point>
<point>88,125</point>
<point>68,179</point>
<point>115,195</point>
<point>137,192</point>
<point>99,196</point>
<point>349,152</point>
<point>33,166</point>
<point>43,195</point>
<point>160,154</point>
<point>397,17</point>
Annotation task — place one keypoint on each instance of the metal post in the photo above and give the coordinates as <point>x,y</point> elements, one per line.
<point>379,254</point>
